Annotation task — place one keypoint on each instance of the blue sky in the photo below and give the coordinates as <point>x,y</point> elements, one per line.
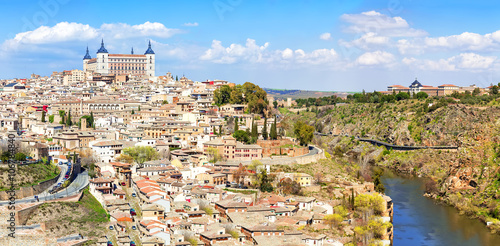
<point>343,45</point>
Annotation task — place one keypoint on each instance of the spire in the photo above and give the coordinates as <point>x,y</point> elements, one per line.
<point>87,55</point>
<point>132,52</point>
<point>102,49</point>
<point>149,51</point>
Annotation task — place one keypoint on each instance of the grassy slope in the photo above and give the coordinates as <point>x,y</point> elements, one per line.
<point>29,175</point>
<point>86,217</point>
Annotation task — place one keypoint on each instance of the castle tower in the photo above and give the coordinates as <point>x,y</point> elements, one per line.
<point>150,61</point>
<point>86,59</point>
<point>102,60</point>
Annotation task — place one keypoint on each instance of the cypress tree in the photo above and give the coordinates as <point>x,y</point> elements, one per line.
<point>236,124</point>
<point>220,130</point>
<point>43,116</point>
<point>264,130</point>
<point>274,132</point>
<point>255,134</point>
<point>68,120</point>
<point>91,120</point>
<point>215,132</point>
<point>133,111</point>
<point>352,199</point>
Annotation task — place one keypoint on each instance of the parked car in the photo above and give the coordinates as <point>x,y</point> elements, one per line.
<point>133,195</point>
<point>111,227</point>
<point>123,184</point>
<point>133,227</point>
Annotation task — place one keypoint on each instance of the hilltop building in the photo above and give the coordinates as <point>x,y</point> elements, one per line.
<point>442,90</point>
<point>121,64</point>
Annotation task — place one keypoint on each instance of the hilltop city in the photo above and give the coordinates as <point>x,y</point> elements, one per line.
<point>164,160</point>
<point>115,155</point>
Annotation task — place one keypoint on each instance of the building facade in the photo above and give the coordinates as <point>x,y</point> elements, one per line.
<point>121,64</point>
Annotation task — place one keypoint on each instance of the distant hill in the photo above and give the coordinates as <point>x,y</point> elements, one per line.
<point>295,94</point>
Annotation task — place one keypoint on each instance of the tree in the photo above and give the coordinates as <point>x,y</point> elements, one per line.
<point>303,132</point>
<point>43,116</point>
<point>5,156</point>
<point>213,130</point>
<point>176,78</point>
<point>275,104</point>
<point>333,220</point>
<point>139,108</point>
<point>51,118</point>
<point>91,120</point>
<point>241,136</point>
<point>220,130</point>
<point>20,156</point>
<point>476,92</point>
<point>68,120</point>
<point>133,112</point>
<point>290,187</point>
<point>222,95</point>
<point>318,177</point>
<point>125,158</point>
<point>248,93</point>
<point>240,174</point>
<point>141,154</point>
<point>494,90</point>
<point>264,130</point>
<point>264,181</point>
<point>235,124</point>
<point>421,95</point>
<point>255,133</point>
<point>274,133</point>
<point>402,96</point>
<point>379,187</point>
<point>368,204</point>
<point>214,155</point>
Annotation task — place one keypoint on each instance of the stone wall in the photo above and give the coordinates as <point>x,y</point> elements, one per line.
<point>23,215</point>
<point>273,147</point>
<point>286,160</point>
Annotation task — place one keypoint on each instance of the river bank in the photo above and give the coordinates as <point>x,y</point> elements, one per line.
<point>419,220</point>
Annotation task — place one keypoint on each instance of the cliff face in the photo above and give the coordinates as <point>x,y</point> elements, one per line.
<point>468,178</point>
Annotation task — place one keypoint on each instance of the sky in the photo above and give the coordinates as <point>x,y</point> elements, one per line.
<point>334,45</point>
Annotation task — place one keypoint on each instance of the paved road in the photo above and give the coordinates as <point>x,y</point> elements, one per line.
<point>388,145</point>
<point>78,184</point>
<point>64,168</point>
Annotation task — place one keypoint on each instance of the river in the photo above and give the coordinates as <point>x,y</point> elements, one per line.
<point>420,221</point>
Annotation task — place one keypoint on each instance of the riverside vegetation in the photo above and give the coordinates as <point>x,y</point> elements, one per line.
<point>467,178</point>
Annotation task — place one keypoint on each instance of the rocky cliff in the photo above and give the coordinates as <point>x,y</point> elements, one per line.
<point>468,178</point>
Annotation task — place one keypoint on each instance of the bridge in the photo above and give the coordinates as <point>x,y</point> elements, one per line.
<point>388,145</point>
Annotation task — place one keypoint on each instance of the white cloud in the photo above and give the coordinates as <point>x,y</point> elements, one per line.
<point>190,24</point>
<point>325,36</point>
<point>464,61</point>
<point>148,29</point>
<point>464,42</point>
<point>439,65</point>
<point>61,32</point>
<point>253,53</point>
<point>71,31</point>
<point>474,61</point>
<point>375,58</point>
<point>380,24</point>
<point>367,41</point>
